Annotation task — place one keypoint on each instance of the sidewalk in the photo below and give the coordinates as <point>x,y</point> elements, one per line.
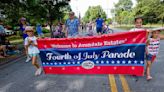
<point>13,57</point>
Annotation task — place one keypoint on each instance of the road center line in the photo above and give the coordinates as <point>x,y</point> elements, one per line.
<point>113,85</point>
<point>124,84</point>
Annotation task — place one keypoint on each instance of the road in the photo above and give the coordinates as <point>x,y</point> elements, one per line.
<point>18,76</point>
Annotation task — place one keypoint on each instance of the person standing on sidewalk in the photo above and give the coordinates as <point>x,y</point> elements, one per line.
<point>23,24</point>
<point>99,25</point>
<point>32,49</point>
<point>39,31</point>
<point>72,26</point>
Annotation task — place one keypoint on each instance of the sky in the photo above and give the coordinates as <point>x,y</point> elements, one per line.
<point>81,6</point>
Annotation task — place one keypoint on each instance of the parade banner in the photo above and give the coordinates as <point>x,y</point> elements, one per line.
<point>120,53</point>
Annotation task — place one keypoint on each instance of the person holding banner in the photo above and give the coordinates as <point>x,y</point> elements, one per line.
<point>152,49</point>
<point>138,24</point>
<point>72,26</point>
<point>32,49</point>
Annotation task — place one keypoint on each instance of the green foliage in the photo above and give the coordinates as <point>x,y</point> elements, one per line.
<point>92,13</point>
<point>151,10</point>
<point>45,30</point>
<point>123,12</point>
<point>36,11</point>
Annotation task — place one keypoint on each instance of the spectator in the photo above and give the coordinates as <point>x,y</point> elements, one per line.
<point>58,33</point>
<point>99,25</point>
<point>3,50</point>
<point>39,31</point>
<point>72,26</point>
<point>2,33</point>
<point>23,24</point>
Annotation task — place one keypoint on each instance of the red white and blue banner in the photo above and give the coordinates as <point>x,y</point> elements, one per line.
<point>121,53</point>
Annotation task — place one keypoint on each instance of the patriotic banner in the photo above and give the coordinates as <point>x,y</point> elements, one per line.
<point>121,53</point>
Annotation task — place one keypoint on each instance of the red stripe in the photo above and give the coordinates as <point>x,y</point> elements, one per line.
<point>140,37</point>
<point>131,70</point>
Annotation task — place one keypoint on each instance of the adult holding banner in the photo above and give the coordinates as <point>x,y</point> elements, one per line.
<point>72,26</point>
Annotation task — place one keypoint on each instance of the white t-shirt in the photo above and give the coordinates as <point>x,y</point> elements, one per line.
<point>32,49</point>
<point>136,29</point>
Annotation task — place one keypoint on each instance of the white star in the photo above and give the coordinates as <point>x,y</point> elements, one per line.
<point>123,62</point>
<point>112,62</point>
<point>133,68</point>
<point>43,63</point>
<point>141,62</point>
<point>60,63</point>
<point>51,63</point>
<point>47,63</point>
<point>50,68</point>
<point>102,62</point>
<point>45,46</point>
<point>73,62</point>
<point>78,62</point>
<point>129,62</point>
<point>134,40</point>
<point>107,62</point>
<point>55,63</point>
<point>98,67</point>
<point>115,68</point>
<point>64,63</point>
<point>97,62</point>
<point>118,62</point>
<point>63,68</point>
<point>69,63</point>
<point>78,68</point>
<point>135,62</point>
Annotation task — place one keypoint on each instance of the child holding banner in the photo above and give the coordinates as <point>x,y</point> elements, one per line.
<point>32,49</point>
<point>152,49</point>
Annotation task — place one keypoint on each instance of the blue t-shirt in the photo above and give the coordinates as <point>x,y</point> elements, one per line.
<point>39,29</point>
<point>72,26</point>
<point>99,22</point>
<point>23,29</point>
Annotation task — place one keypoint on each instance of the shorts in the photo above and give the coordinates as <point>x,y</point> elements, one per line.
<point>33,55</point>
<point>150,57</point>
<point>99,30</point>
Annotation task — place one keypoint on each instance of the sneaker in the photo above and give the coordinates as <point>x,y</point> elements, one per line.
<point>36,73</point>
<point>39,71</point>
<point>149,78</point>
<point>28,59</point>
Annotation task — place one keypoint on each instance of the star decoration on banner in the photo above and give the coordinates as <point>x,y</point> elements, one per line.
<point>102,62</point>
<point>107,62</point>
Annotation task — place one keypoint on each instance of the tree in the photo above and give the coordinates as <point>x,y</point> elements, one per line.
<point>123,12</point>
<point>151,10</point>
<point>35,10</point>
<point>93,12</point>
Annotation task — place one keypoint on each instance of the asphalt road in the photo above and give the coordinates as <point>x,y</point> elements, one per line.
<point>18,76</point>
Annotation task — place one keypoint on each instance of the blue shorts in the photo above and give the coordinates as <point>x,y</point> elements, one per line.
<point>150,57</point>
<point>99,30</point>
<point>33,55</point>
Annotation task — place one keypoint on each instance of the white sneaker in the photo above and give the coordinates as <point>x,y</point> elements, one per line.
<point>38,72</point>
<point>28,59</point>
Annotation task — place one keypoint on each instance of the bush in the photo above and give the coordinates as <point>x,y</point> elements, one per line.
<point>11,38</point>
<point>45,30</point>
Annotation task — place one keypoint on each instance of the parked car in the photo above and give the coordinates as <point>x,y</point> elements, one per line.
<point>9,32</point>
